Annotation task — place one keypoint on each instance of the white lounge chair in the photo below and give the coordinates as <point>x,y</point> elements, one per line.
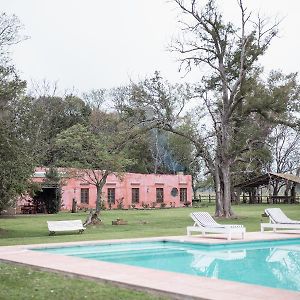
<point>60,226</point>
<point>206,224</point>
<point>278,220</point>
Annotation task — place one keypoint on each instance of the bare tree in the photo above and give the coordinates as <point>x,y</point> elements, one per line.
<point>95,98</point>
<point>228,54</point>
<point>284,145</point>
<point>43,88</point>
<point>10,34</point>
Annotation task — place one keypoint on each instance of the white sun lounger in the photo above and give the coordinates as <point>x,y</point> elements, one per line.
<point>278,220</point>
<point>204,223</point>
<point>60,226</point>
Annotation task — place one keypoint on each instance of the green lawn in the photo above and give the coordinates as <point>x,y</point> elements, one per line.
<point>32,229</point>
<point>24,283</point>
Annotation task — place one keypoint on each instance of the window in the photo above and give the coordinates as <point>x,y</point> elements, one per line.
<point>135,195</point>
<point>183,194</point>
<point>111,195</point>
<point>84,195</point>
<point>159,195</point>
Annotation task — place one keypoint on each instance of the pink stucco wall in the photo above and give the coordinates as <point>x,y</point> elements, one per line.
<point>147,184</point>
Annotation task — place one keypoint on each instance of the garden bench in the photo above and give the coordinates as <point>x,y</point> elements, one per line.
<point>61,226</point>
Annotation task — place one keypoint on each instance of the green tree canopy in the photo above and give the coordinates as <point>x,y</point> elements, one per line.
<point>92,155</point>
<point>16,163</point>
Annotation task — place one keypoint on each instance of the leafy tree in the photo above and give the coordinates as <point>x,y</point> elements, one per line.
<point>267,103</point>
<point>139,151</point>
<point>45,117</point>
<point>16,163</point>
<point>93,156</point>
<point>16,166</point>
<point>158,152</point>
<point>185,154</point>
<point>264,104</point>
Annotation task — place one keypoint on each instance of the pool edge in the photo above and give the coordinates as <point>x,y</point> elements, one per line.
<point>194,287</point>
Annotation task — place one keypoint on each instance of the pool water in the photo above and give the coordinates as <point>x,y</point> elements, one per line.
<point>270,263</point>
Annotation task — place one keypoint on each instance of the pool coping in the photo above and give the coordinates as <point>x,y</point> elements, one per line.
<point>173,285</point>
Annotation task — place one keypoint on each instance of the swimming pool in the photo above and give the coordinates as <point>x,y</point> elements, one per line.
<point>269,263</point>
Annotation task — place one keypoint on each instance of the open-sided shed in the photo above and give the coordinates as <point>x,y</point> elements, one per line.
<point>273,184</point>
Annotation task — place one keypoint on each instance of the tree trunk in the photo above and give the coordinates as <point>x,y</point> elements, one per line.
<point>92,218</point>
<point>99,187</point>
<point>227,190</point>
<point>223,150</point>
<point>275,189</point>
<point>219,212</point>
<point>293,193</point>
<point>253,195</point>
<point>238,196</point>
<point>99,197</point>
<point>194,188</point>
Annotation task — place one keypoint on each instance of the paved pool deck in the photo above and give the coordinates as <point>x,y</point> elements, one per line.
<point>172,285</point>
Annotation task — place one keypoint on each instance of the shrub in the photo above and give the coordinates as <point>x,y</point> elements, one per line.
<point>120,204</point>
<point>153,204</point>
<point>162,205</point>
<point>102,205</point>
<point>145,205</point>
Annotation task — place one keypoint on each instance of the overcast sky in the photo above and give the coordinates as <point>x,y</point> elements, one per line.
<point>86,44</point>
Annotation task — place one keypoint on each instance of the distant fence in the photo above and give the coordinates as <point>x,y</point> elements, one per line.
<point>244,198</point>
<point>210,198</point>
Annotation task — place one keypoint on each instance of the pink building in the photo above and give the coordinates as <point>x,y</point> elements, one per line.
<point>132,190</point>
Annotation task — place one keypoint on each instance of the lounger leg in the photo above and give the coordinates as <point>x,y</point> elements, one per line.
<point>203,233</point>
<point>262,228</point>
<point>229,236</point>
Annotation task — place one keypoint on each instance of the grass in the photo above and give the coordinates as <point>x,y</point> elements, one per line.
<point>25,283</point>
<point>18,282</point>
<point>32,229</point>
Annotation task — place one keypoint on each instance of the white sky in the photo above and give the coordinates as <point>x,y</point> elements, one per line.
<point>105,43</point>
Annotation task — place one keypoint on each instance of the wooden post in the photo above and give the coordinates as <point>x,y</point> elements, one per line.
<point>238,194</point>
<point>293,193</point>
<point>74,206</point>
<point>269,193</point>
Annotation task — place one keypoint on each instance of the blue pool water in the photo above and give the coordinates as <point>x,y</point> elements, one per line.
<point>274,263</point>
